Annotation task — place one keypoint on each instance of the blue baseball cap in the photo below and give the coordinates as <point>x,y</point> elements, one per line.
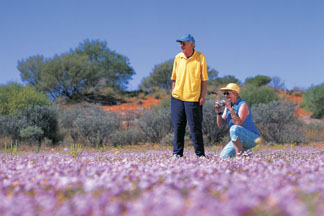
<point>186,37</point>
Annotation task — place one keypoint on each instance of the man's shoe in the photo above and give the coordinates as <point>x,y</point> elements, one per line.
<point>201,157</point>
<point>175,156</point>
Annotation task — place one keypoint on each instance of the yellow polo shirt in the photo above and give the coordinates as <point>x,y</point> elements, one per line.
<point>188,74</point>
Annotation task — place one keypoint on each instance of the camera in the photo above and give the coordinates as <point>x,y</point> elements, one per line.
<point>221,103</point>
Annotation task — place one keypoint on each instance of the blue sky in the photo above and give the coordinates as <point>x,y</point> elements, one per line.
<point>243,38</point>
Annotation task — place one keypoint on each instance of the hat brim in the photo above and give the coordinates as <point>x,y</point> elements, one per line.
<point>226,89</point>
<point>179,41</point>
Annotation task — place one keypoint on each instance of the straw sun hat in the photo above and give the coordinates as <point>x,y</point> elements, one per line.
<point>231,87</point>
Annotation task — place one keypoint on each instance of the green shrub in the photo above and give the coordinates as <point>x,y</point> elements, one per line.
<point>313,101</point>
<point>43,117</point>
<point>14,97</point>
<point>256,95</point>
<point>277,122</point>
<point>33,123</point>
<point>32,134</point>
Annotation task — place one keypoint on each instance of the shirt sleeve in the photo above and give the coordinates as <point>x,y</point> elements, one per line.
<point>173,76</point>
<point>204,69</point>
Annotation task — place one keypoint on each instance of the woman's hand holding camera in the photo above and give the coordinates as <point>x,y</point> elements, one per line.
<point>219,105</point>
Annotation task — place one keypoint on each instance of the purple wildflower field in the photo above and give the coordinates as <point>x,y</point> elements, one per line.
<point>287,181</point>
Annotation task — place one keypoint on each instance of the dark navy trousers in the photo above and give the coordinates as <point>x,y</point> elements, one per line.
<point>182,112</point>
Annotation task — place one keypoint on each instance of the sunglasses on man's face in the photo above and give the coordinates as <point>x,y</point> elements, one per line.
<point>227,93</point>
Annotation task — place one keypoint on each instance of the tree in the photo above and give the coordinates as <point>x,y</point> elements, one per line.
<point>277,83</point>
<point>110,66</point>
<point>71,75</point>
<point>31,69</point>
<point>257,81</point>
<point>68,75</point>
<point>160,77</point>
<point>219,81</point>
<point>212,74</point>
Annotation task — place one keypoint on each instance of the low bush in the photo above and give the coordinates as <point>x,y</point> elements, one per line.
<point>33,123</point>
<point>10,126</point>
<point>155,124</point>
<point>277,122</point>
<point>168,139</point>
<point>210,129</point>
<point>32,134</point>
<point>97,128</point>
<point>44,117</point>
<point>131,136</point>
<point>315,131</point>
<point>67,122</point>
<point>90,122</point>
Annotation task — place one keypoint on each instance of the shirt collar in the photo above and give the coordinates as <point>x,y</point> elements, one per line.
<point>238,100</point>
<point>184,56</point>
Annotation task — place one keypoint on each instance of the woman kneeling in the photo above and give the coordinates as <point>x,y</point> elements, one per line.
<point>237,114</point>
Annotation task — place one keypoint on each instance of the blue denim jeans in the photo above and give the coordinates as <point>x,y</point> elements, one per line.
<point>183,111</point>
<point>247,138</point>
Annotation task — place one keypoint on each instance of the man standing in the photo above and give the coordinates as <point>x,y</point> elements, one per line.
<point>189,86</point>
